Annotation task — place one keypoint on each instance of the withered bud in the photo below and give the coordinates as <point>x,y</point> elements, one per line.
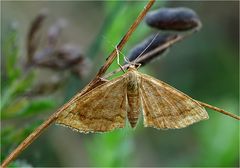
<point>55,30</point>
<point>83,68</point>
<point>36,23</point>
<point>149,44</point>
<point>65,57</point>
<point>42,55</point>
<point>179,19</point>
<point>34,28</point>
<point>44,88</point>
<point>69,53</point>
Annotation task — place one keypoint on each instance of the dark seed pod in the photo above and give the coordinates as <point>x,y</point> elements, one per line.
<point>179,19</point>
<point>148,45</point>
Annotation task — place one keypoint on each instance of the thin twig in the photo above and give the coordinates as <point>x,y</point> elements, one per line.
<point>219,110</point>
<point>90,86</point>
<point>28,140</point>
<point>113,55</point>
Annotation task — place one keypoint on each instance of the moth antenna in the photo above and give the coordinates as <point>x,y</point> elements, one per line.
<point>138,65</point>
<point>118,54</point>
<point>114,46</point>
<point>146,48</point>
<point>127,60</point>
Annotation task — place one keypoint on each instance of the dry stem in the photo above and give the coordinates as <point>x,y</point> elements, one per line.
<point>219,110</point>
<point>120,45</point>
<point>93,83</point>
<point>29,140</point>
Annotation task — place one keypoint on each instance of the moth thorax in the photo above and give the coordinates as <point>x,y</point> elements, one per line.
<point>133,84</point>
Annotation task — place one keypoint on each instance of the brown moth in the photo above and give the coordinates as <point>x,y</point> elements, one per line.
<point>109,105</point>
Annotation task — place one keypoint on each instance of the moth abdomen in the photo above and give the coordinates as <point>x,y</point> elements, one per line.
<point>133,118</point>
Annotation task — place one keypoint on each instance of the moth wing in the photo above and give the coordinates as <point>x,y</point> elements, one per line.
<point>165,107</point>
<point>101,109</point>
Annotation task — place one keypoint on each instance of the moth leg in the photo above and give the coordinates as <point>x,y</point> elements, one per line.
<point>138,65</point>
<point>103,79</point>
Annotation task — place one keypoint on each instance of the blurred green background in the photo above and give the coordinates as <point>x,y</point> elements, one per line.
<point>204,66</point>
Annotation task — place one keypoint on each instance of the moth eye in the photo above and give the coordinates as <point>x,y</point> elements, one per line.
<point>178,19</point>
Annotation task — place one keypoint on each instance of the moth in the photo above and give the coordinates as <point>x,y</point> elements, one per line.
<point>113,103</point>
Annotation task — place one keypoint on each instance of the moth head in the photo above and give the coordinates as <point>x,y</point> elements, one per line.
<point>134,66</point>
<point>131,67</point>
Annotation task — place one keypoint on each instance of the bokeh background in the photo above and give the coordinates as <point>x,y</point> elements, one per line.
<point>204,66</point>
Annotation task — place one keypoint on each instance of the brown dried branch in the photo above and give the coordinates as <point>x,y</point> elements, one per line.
<point>219,110</point>
<point>113,55</point>
<point>24,144</point>
<point>93,83</point>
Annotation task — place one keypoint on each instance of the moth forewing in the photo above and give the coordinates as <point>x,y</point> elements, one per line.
<point>165,107</point>
<point>100,110</point>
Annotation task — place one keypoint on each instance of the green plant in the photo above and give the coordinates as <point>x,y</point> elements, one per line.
<point>15,104</point>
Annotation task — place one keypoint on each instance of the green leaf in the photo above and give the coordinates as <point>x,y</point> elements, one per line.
<point>16,88</point>
<point>10,51</point>
<point>25,108</point>
<point>220,138</point>
<point>12,136</point>
<point>20,163</point>
<point>37,106</point>
<point>12,108</point>
<point>24,84</point>
<point>112,12</point>
<point>118,140</point>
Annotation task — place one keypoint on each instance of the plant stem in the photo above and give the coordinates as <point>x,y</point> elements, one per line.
<point>36,133</point>
<point>33,136</point>
<point>125,38</point>
<point>219,110</point>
